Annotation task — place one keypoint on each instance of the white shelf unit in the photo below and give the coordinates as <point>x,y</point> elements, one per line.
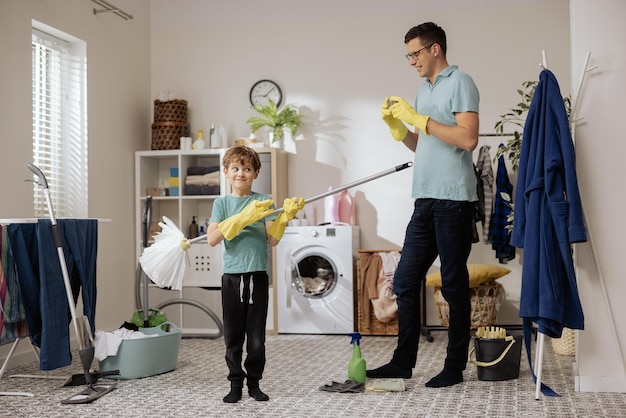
<point>203,277</point>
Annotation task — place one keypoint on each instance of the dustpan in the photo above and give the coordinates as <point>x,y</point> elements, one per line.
<point>82,328</point>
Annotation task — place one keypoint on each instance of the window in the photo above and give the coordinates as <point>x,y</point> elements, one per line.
<point>60,120</point>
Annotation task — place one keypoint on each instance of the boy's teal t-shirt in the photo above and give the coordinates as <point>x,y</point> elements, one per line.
<point>248,251</point>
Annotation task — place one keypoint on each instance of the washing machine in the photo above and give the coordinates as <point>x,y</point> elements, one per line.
<point>315,279</point>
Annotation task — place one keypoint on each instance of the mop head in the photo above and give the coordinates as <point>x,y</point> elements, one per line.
<point>90,394</point>
<point>164,262</point>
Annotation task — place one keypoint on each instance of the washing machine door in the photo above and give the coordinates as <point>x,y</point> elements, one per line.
<point>318,292</point>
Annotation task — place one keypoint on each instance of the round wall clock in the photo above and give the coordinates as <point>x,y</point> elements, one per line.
<point>263,90</point>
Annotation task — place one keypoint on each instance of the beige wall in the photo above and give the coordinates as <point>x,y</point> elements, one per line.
<point>118,60</point>
<point>600,148</point>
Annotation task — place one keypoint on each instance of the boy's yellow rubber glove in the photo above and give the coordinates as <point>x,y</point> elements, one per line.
<point>405,112</point>
<point>291,206</point>
<point>232,226</point>
<point>397,128</point>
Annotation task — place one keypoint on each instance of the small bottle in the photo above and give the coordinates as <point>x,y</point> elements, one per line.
<point>214,138</point>
<point>356,366</point>
<point>193,228</point>
<point>199,144</point>
<point>331,208</point>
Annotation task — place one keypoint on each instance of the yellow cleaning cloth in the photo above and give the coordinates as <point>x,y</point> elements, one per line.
<point>387,385</point>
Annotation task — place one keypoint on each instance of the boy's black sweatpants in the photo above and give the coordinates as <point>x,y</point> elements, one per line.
<point>244,309</point>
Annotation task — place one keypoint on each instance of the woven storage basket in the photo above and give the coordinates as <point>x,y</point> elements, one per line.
<point>566,345</point>
<point>172,111</point>
<point>166,135</point>
<point>485,304</point>
<point>375,326</point>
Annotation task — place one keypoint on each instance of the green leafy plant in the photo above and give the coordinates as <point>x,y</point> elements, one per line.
<point>516,117</point>
<point>276,119</point>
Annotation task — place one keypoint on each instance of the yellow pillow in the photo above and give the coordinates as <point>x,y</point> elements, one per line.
<point>478,274</point>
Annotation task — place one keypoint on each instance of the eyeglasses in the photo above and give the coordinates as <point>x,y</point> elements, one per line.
<point>416,54</point>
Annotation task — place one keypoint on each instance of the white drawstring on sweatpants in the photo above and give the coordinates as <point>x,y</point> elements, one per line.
<point>241,288</point>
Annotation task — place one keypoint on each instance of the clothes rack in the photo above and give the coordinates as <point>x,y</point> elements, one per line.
<point>18,339</point>
<point>541,336</point>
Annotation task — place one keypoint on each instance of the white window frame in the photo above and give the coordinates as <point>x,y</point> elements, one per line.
<point>60,145</point>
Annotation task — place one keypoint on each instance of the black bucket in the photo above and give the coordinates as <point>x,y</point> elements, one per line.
<point>488,350</point>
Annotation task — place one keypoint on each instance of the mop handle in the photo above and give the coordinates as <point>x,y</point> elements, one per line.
<point>332,191</point>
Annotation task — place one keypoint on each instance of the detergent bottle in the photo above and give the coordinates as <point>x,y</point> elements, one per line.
<point>331,208</point>
<point>356,366</point>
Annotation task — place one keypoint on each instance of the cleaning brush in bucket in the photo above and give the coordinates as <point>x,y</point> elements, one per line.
<point>497,354</point>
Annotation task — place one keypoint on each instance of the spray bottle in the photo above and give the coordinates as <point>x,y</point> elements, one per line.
<point>356,366</point>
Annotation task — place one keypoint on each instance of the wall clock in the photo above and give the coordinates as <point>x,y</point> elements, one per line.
<point>263,90</point>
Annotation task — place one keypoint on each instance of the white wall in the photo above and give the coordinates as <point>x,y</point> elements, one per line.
<point>337,61</point>
<point>119,116</point>
<point>598,29</point>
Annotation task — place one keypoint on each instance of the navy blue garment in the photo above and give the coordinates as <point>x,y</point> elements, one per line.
<point>500,238</point>
<point>548,214</point>
<point>41,281</point>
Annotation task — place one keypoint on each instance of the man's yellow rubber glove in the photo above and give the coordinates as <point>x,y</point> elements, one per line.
<point>400,109</point>
<point>291,206</point>
<point>397,128</point>
<point>232,226</point>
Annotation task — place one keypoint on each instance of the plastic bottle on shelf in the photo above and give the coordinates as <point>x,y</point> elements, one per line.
<point>199,143</point>
<point>214,137</point>
<point>193,228</point>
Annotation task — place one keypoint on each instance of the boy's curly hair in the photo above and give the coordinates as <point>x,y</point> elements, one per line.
<point>242,154</point>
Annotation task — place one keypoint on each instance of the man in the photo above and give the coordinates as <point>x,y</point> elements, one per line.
<point>445,118</point>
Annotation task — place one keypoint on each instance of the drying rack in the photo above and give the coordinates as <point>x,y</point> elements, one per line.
<point>16,342</point>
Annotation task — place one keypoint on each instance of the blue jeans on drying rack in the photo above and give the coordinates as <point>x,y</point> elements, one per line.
<point>437,228</point>
<point>42,286</point>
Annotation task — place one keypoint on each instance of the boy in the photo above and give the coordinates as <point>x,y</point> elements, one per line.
<point>244,221</point>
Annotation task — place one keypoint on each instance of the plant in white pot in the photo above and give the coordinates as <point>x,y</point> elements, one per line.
<point>276,119</point>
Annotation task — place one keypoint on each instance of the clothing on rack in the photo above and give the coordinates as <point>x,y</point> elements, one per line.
<point>41,281</point>
<point>548,214</point>
<point>12,317</point>
<point>500,238</point>
<point>485,190</point>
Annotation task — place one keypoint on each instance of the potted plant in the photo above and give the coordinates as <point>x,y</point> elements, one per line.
<point>277,119</point>
<point>516,117</point>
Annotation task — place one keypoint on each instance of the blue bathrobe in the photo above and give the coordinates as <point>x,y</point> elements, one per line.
<point>548,214</point>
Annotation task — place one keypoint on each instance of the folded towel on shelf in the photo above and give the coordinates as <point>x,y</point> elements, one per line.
<point>209,179</point>
<point>200,171</point>
<point>202,190</point>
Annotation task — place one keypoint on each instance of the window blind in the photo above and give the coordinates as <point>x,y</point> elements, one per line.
<point>60,124</point>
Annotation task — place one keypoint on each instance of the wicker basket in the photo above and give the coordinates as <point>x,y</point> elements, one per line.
<point>374,326</point>
<point>485,304</point>
<point>172,111</point>
<point>566,345</point>
<point>166,135</point>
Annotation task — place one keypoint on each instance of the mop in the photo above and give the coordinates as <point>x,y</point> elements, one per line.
<point>164,262</point>
<point>82,328</point>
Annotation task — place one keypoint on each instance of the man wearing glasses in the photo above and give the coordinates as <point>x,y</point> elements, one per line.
<point>445,121</point>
